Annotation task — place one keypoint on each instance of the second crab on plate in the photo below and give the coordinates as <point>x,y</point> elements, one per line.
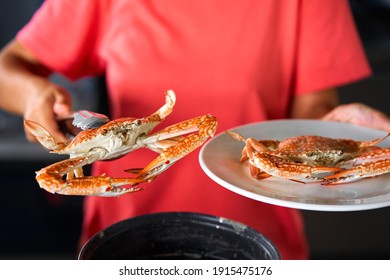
<point>311,158</point>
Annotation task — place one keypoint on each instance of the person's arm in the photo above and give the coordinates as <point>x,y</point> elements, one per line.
<point>324,105</point>
<point>314,105</point>
<point>25,90</point>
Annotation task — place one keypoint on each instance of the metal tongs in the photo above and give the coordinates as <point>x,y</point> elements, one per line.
<point>83,120</point>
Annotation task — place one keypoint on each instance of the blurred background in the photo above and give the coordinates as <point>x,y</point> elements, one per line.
<point>37,225</point>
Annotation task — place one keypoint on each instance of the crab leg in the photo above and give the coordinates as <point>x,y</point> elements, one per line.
<point>172,151</point>
<point>372,142</point>
<point>166,109</point>
<point>51,179</point>
<point>43,136</point>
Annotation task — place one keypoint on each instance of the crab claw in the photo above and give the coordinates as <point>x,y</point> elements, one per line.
<point>364,170</point>
<point>88,185</point>
<point>100,186</point>
<point>206,126</point>
<point>51,179</point>
<point>106,187</point>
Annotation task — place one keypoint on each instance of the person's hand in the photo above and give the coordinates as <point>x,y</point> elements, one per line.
<point>25,90</point>
<point>360,114</point>
<point>45,105</point>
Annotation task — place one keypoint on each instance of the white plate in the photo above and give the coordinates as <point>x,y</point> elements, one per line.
<point>219,158</point>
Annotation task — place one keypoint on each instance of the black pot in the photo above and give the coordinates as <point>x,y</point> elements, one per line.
<point>178,235</point>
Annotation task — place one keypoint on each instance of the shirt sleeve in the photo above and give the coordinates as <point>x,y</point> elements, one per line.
<point>65,36</point>
<point>329,50</point>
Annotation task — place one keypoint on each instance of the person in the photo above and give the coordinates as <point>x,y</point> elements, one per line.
<point>242,61</point>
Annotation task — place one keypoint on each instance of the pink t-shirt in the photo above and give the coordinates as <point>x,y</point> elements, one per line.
<point>242,61</point>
